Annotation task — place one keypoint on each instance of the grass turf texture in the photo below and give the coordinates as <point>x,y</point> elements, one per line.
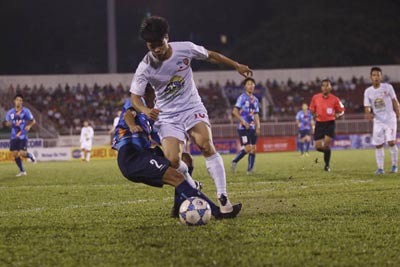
<point>294,214</point>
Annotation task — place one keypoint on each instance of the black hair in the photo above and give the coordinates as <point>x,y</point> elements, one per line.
<point>18,95</point>
<point>326,80</point>
<point>375,69</point>
<point>248,79</point>
<point>154,29</point>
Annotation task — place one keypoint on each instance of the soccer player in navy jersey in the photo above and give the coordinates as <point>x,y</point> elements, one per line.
<point>21,120</point>
<point>246,111</point>
<point>140,163</point>
<point>305,123</point>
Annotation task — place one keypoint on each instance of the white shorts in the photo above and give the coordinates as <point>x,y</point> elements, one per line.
<point>178,124</point>
<point>384,132</point>
<point>86,146</point>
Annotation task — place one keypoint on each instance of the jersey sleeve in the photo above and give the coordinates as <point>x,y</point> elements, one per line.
<point>257,107</point>
<point>392,93</point>
<point>239,102</point>
<point>366,99</point>
<point>8,116</point>
<point>139,81</point>
<point>29,114</point>
<point>298,116</point>
<point>198,52</point>
<point>312,105</point>
<point>339,107</point>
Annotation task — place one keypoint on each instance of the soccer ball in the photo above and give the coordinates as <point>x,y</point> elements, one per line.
<point>195,211</point>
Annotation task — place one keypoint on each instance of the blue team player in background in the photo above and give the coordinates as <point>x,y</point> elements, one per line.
<point>246,111</point>
<point>140,163</point>
<point>21,120</point>
<point>305,123</point>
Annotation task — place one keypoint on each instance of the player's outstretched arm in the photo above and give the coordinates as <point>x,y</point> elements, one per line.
<point>140,107</point>
<point>215,57</point>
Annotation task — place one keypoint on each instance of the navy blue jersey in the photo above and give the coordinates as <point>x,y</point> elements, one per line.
<point>304,119</point>
<point>248,107</point>
<point>123,135</point>
<point>19,120</point>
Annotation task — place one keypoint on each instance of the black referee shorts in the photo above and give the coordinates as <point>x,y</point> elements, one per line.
<point>324,128</point>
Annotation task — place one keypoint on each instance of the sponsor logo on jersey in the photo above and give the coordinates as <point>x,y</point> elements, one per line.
<point>174,88</point>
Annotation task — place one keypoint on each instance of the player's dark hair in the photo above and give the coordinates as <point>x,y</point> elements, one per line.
<point>248,79</point>
<point>154,29</point>
<point>326,80</point>
<point>375,69</point>
<point>18,95</point>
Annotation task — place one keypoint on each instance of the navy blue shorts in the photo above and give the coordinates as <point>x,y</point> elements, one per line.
<point>144,166</point>
<point>305,132</point>
<point>247,137</point>
<point>18,144</point>
<point>324,128</point>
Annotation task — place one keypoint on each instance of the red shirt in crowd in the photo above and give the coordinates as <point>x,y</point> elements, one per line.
<point>325,109</point>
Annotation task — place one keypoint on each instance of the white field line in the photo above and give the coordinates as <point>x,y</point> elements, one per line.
<point>138,201</point>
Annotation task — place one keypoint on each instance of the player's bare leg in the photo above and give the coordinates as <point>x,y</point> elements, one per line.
<point>201,134</point>
<point>324,146</point>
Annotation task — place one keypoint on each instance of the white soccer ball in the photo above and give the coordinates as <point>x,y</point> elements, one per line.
<point>195,211</point>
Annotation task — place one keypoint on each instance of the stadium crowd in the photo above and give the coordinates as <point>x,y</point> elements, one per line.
<point>66,106</point>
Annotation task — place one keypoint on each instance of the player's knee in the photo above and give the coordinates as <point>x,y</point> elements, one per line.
<point>247,149</point>
<point>207,148</point>
<point>391,143</point>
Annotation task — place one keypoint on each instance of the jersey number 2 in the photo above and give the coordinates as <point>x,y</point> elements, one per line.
<point>154,162</point>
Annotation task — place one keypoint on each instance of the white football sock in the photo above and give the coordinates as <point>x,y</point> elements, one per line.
<point>83,155</point>
<point>394,153</point>
<point>87,156</point>
<point>183,168</point>
<point>380,156</point>
<point>216,169</point>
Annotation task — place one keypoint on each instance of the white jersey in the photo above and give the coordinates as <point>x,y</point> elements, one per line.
<point>172,79</point>
<point>380,100</point>
<point>87,134</point>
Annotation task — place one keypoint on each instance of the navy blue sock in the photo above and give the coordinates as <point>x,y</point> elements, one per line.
<point>327,156</point>
<point>239,156</point>
<point>29,155</point>
<point>252,159</point>
<point>19,164</point>
<point>184,191</point>
<point>190,170</point>
<point>307,145</point>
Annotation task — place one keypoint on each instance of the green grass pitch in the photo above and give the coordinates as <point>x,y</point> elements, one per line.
<point>294,214</point>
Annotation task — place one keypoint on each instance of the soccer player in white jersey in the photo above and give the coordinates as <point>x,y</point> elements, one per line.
<point>179,110</point>
<point>86,140</point>
<point>381,105</point>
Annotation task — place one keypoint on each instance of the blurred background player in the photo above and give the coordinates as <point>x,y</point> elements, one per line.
<point>115,123</point>
<point>380,103</point>
<point>140,163</point>
<point>246,111</point>
<point>21,120</point>
<point>305,123</point>
<point>86,140</point>
<point>179,110</point>
<point>326,108</point>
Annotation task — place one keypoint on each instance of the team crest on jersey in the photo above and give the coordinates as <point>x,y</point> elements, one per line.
<point>183,64</point>
<point>174,88</point>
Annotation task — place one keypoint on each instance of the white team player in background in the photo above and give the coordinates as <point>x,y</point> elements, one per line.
<point>86,140</point>
<point>179,111</point>
<point>381,104</point>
